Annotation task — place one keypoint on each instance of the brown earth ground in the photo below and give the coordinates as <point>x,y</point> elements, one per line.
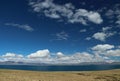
<point>20,75</point>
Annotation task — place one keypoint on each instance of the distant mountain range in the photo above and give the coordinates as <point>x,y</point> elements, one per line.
<point>44,64</point>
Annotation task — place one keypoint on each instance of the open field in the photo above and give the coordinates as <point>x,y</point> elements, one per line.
<point>18,75</point>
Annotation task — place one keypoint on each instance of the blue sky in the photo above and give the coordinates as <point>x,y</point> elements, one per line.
<point>60,31</point>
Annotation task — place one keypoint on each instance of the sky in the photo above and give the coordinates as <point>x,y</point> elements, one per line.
<point>64,31</point>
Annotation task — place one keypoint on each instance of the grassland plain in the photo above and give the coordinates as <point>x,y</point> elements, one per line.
<point>20,75</point>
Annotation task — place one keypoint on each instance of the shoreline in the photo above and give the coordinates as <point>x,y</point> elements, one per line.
<point>57,71</point>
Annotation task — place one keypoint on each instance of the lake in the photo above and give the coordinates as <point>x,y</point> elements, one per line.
<point>61,68</point>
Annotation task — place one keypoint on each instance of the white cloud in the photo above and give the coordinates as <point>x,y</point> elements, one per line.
<point>52,15</point>
<point>40,54</point>
<point>83,57</point>
<point>107,50</point>
<point>51,9</point>
<point>100,36</point>
<point>99,53</point>
<point>65,12</point>
<point>25,27</point>
<point>95,17</point>
<point>113,52</point>
<point>104,34</point>
<point>75,58</point>
<point>12,55</point>
<point>102,48</point>
<point>105,29</point>
<point>44,56</point>
<point>82,15</point>
<point>60,54</point>
<point>83,30</point>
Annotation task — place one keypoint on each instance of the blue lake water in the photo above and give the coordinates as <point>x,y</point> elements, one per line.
<point>61,68</point>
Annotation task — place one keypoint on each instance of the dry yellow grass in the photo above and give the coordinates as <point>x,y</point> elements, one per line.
<point>17,75</point>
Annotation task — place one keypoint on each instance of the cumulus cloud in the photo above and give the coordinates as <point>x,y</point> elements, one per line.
<point>100,36</point>
<point>107,50</point>
<point>99,53</point>
<point>22,26</point>
<point>66,12</point>
<point>81,15</point>
<point>60,54</point>
<point>44,56</point>
<point>39,54</point>
<point>12,57</point>
<point>95,17</point>
<point>83,57</point>
<point>104,34</point>
<point>75,58</point>
<point>113,52</point>
<point>101,48</point>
